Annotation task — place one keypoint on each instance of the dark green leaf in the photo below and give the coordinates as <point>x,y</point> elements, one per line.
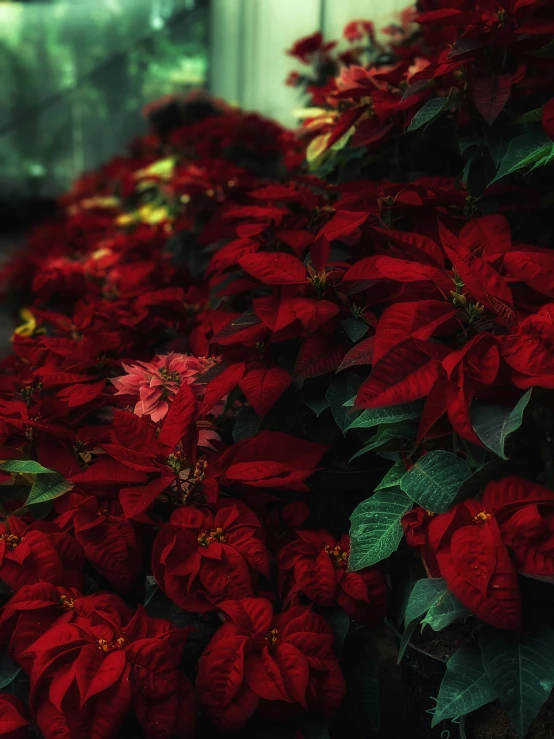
<point>532,116</point>
<point>28,466</point>
<point>339,621</point>
<point>150,588</point>
<point>430,111</point>
<point>390,437</point>
<point>355,328</point>
<point>376,530</point>
<point>523,151</point>
<point>48,487</point>
<point>247,424</point>
<point>393,476</point>
<point>423,593</point>
<point>317,406</point>
<point>434,480</point>
<point>9,670</point>
<point>343,387</point>
<point>445,610</point>
<point>465,686</point>
<point>387,414</point>
<point>494,423</point>
<point>520,668</point>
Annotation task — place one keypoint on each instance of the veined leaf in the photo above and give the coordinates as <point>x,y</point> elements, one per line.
<point>431,110</point>
<point>519,667</point>
<point>246,425</point>
<point>424,592</point>
<point>387,414</point>
<point>47,488</point>
<point>465,686</point>
<point>390,435</point>
<point>494,423</point>
<point>444,610</point>
<point>28,466</point>
<point>523,151</point>
<point>376,530</point>
<point>393,477</point>
<point>433,482</point>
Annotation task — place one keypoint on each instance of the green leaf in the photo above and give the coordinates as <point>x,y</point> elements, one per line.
<point>355,328</point>
<point>423,593</point>
<point>520,668</point>
<point>376,530</point>
<point>362,677</point>
<point>317,406</point>
<point>47,488</point>
<point>392,436</point>
<point>465,686</point>
<point>431,110</point>
<point>246,425</point>
<point>28,466</point>
<point>387,414</point>
<point>393,476</point>
<point>342,387</point>
<point>494,423</point>
<point>435,479</point>
<point>150,589</point>
<point>532,116</point>
<point>444,611</point>
<point>9,670</point>
<point>523,151</point>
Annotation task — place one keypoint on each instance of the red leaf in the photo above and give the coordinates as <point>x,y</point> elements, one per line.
<point>130,458</point>
<point>255,212</point>
<point>403,375</point>
<point>319,252</point>
<point>108,471</point>
<point>137,500</point>
<point>222,385</point>
<point>101,676</point>
<point>415,245</point>
<point>490,95</point>
<point>479,571</point>
<point>343,223</point>
<point>133,432</point>
<point>80,394</point>
<point>401,321</point>
<point>263,387</point>
<point>483,236</point>
<point>535,269</point>
<point>229,254</point>
<point>313,314</point>
<point>274,268</point>
<point>362,353</point>
<point>180,420</point>
<point>276,192</point>
<point>318,355</point>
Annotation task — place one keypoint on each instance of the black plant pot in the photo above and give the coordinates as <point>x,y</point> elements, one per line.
<point>422,675</point>
<point>338,493</point>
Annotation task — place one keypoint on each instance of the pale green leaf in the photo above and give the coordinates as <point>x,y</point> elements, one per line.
<point>376,530</point>
<point>434,480</point>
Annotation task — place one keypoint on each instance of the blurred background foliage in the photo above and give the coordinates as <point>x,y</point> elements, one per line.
<point>75,75</point>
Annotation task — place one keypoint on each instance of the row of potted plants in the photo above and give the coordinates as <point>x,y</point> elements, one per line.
<point>272,387</point>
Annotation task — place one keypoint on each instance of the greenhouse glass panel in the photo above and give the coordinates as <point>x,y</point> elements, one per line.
<point>76,74</point>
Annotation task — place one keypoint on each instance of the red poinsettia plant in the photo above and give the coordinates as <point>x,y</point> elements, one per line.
<point>237,338</point>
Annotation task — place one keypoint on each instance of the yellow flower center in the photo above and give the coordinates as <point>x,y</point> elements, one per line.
<point>338,556</point>
<point>107,646</point>
<point>482,517</point>
<point>272,636</point>
<point>205,537</point>
<point>12,541</point>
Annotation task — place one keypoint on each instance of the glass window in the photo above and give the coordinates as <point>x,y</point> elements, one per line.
<point>75,75</point>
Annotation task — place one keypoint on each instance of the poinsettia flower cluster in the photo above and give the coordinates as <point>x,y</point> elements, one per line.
<point>210,326</point>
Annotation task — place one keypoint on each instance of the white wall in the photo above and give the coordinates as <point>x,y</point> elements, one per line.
<point>249,39</point>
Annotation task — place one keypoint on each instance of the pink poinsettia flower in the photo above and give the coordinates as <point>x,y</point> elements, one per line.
<point>157,382</point>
